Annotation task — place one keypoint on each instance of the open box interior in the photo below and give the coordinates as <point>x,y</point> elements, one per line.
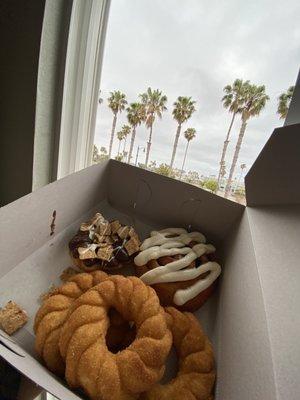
<point>248,318</point>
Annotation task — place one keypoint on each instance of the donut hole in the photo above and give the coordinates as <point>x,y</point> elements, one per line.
<point>172,367</point>
<point>120,334</point>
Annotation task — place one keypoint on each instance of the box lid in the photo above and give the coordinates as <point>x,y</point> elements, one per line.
<point>275,175</point>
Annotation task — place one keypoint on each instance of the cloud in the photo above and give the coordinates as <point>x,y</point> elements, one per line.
<point>195,48</point>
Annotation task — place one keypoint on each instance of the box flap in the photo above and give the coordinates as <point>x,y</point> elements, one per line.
<point>275,234</point>
<point>244,359</point>
<point>274,177</point>
<point>27,221</point>
<point>169,202</point>
<point>32,369</point>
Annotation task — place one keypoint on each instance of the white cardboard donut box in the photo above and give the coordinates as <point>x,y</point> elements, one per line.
<point>253,317</point>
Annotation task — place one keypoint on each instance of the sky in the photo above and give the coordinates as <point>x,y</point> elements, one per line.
<point>194,48</point>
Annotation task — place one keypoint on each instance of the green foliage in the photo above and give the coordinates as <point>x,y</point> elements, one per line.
<point>255,99</point>
<point>240,191</point>
<point>117,101</point>
<point>210,184</point>
<point>136,114</point>
<point>190,134</point>
<point>155,104</point>
<point>162,169</point>
<point>284,101</point>
<point>245,98</point>
<point>120,135</point>
<point>184,107</point>
<point>99,155</point>
<point>151,166</point>
<point>124,132</point>
<point>192,177</point>
<point>234,95</point>
<point>166,170</point>
<point>121,156</point>
<point>126,129</point>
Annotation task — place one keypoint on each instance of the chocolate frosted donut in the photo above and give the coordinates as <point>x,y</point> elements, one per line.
<point>103,245</point>
<point>179,266</point>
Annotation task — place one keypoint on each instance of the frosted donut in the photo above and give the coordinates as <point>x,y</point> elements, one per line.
<point>180,266</point>
<point>196,373</point>
<point>90,365</point>
<point>53,313</point>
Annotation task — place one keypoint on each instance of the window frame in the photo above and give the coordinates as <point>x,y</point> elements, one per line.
<point>84,58</point>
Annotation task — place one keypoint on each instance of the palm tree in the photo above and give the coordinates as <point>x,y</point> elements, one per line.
<point>242,167</point>
<point>284,101</point>
<point>120,138</point>
<point>116,102</point>
<point>155,104</point>
<point>255,99</point>
<point>122,135</point>
<point>233,100</point>
<point>223,172</point>
<point>126,129</point>
<point>189,134</point>
<point>183,109</point>
<point>136,114</point>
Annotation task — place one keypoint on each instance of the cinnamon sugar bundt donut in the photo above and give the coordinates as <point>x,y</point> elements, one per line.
<point>180,267</point>
<point>196,374</point>
<point>90,365</point>
<point>53,313</point>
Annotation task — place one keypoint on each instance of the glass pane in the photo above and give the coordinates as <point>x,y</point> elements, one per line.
<point>196,49</point>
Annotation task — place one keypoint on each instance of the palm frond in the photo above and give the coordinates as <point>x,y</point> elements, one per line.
<point>234,95</point>
<point>190,134</point>
<point>183,109</point>
<point>117,101</point>
<point>155,104</point>
<point>136,114</point>
<point>254,101</point>
<point>284,101</point>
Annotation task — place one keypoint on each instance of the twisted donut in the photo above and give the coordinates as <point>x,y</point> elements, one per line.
<point>90,365</point>
<point>196,373</point>
<point>53,313</point>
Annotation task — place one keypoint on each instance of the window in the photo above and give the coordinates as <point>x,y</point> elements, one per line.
<point>194,50</point>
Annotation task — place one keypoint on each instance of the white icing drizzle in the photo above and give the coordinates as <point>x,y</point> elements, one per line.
<point>172,241</point>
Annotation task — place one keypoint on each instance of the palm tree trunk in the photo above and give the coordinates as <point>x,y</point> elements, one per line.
<point>235,157</point>
<point>124,147</point>
<point>184,158</point>
<point>148,146</point>
<point>225,149</point>
<point>119,146</point>
<point>175,145</point>
<point>112,135</point>
<point>238,180</point>
<point>131,144</point>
